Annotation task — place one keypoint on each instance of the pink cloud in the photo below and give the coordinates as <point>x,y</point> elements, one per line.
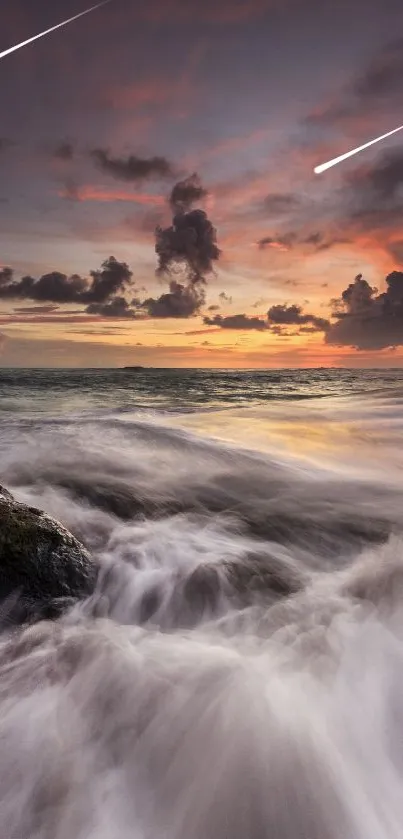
<point>94,193</point>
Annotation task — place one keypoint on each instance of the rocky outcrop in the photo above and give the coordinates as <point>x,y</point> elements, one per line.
<point>43,568</point>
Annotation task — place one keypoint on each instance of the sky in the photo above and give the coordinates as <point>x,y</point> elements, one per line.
<point>158,204</point>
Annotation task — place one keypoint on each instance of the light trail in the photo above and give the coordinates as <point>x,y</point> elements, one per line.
<point>324,166</point>
<point>52,29</point>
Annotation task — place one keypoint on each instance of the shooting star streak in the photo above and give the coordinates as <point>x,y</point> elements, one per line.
<point>52,29</point>
<point>324,166</point>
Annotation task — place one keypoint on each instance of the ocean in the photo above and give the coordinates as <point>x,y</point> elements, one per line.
<point>238,673</point>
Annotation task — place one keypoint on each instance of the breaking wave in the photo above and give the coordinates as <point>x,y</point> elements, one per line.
<point>238,670</point>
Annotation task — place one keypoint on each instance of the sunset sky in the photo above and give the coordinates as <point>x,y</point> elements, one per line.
<point>102,118</point>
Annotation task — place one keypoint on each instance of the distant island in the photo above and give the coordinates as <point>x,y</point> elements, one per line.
<point>136,367</point>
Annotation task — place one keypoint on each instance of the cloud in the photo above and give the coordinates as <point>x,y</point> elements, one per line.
<point>236,322</point>
<point>55,287</point>
<point>6,276</point>
<point>132,168</point>
<point>74,192</point>
<point>317,240</point>
<point>190,242</point>
<point>33,310</point>
<point>384,179</point>
<point>186,193</point>
<point>282,242</point>
<point>370,199</point>
<point>112,277</point>
<point>116,308</point>
<point>281,314</point>
<point>374,89</point>
<point>280,203</point>
<point>383,75</point>
<point>188,245</point>
<point>64,151</point>
<point>179,302</point>
<point>367,319</point>
<point>225,298</point>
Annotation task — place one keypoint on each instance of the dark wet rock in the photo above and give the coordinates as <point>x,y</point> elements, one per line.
<point>43,568</point>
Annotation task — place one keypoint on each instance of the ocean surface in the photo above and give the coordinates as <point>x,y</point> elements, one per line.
<point>238,674</point>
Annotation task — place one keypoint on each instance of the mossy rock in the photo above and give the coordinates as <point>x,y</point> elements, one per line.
<point>42,566</point>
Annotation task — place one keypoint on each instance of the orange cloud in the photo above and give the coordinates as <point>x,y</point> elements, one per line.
<point>93,193</point>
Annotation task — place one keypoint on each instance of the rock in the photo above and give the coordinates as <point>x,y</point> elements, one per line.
<point>43,568</point>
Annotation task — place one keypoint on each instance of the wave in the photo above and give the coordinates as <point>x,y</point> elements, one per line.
<point>237,670</point>
<point>283,721</point>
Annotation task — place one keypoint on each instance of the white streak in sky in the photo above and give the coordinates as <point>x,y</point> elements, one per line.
<point>52,29</point>
<point>324,166</point>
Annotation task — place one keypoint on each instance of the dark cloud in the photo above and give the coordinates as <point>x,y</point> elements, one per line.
<point>105,283</point>
<point>384,179</point>
<point>266,240</point>
<point>287,240</point>
<point>383,75</point>
<point>188,245</point>
<point>33,310</point>
<point>102,294</point>
<point>132,168</point>
<point>190,242</point>
<point>280,203</point>
<point>282,314</point>
<point>317,240</point>
<point>372,89</point>
<point>236,322</point>
<point>64,151</point>
<point>225,298</point>
<point>367,319</point>
<point>213,308</point>
<point>179,302</point>
<point>6,276</point>
<point>111,278</point>
<point>371,197</point>
<point>186,193</point>
<point>55,287</point>
<point>117,308</point>
<point>314,239</point>
<point>322,242</point>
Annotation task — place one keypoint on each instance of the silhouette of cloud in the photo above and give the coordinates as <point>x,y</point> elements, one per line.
<point>179,302</point>
<point>131,168</point>
<point>191,241</point>
<point>236,322</point>
<point>282,314</point>
<point>366,319</point>
<point>64,151</point>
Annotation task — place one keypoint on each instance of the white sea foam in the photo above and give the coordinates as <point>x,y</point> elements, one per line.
<point>238,671</point>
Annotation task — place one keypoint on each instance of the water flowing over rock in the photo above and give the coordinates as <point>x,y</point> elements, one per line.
<point>43,568</point>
